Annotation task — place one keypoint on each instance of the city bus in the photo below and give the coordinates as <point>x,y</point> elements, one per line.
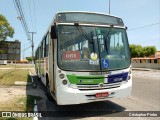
<point>84,57</point>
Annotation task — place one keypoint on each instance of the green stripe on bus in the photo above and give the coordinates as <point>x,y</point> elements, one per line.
<point>73,79</point>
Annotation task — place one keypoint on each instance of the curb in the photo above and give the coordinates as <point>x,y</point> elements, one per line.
<point>144,69</point>
<point>35,110</point>
<point>34,85</point>
<point>141,69</point>
<point>20,83</point>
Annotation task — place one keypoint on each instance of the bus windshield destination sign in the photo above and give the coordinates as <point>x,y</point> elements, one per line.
<point>71,55</point>
<point>89,18</point>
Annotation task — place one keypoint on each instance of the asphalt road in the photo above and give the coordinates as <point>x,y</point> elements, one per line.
<point>145,97</point>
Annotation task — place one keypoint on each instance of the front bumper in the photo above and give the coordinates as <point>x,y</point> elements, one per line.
<point>68,96</point>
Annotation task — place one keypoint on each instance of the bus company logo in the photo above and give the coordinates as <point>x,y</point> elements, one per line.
<point>118,79</point>
<point>85,81</point>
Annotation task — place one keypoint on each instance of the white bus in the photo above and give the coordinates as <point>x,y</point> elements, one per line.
<point>84,57</point>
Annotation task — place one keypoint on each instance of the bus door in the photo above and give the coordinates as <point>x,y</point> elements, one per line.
<point>51,66</point>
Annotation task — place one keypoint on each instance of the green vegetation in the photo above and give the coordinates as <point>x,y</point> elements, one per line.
<point>139,51</point>
<point>15,101</point>
<point>30,59</point>
<point>3,51</point>
<point>17,66</point>
<point>8,77</point>
<point>5,29</point>
<point>23,103</point>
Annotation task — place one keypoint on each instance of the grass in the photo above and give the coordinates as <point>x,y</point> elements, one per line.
<point>9,76</point>
<point>23,104</point>
<point>17,66</point>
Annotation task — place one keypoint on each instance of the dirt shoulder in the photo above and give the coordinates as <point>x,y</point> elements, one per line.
<point>17,97</point>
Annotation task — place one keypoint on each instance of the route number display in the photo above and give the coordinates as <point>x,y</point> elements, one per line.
<point>71,55</point>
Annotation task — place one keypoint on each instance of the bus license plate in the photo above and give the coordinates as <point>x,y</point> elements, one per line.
<point>102,95</point>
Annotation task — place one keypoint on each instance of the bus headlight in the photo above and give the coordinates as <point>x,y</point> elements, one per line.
<point>61,76</point>
<point>64,82</point>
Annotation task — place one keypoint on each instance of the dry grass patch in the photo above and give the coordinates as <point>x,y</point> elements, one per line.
<point>19,103</point>
<point>17,66</point>
<point>8,77</point>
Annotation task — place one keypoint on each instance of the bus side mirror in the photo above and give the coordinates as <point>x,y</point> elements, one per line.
<point>126,28</point>
<point>53,32</point>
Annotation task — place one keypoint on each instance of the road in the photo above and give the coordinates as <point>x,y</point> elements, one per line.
<point>145,97</point>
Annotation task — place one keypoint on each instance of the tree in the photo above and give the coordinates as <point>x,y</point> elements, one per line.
<point>149,50</point>
<point>136,50</point>
<point>5,29</point>
<point>30,59</point>
<point>139,51</point>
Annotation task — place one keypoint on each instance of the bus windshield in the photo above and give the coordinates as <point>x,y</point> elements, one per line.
<point>105,48</point>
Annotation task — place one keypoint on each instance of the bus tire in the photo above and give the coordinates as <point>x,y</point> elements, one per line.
<point>38,74</point>
<point>49,96</point>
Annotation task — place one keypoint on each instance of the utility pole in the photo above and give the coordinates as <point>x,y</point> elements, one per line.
<point>32,46</point>
<point>15,54</point>
<point>109,7</point>
<point>24,52</point>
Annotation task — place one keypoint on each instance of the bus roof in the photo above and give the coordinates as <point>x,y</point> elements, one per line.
<point>88,17</point>
<point>87,12</point>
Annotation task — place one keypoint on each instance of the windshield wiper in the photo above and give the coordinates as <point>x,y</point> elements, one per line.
<point>84,33</point>
<point>106,38</point>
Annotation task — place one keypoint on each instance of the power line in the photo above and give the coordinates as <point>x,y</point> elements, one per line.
<point>32,46</point>
<point>21,1</point>
<point>144,26</point>
<point>27,43</point>
<point>21,17</point>
<point>23,9</point>
<point>25,50</point>
<point>109,6</point>
<point>30,13</point>
<point>34,14</point>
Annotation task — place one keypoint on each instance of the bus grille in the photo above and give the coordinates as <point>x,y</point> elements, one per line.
<point>97,86</point>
